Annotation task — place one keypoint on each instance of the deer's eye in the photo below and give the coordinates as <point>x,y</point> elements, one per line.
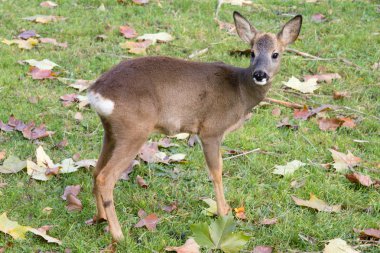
<point>275,55</point>
<point>252,54</point>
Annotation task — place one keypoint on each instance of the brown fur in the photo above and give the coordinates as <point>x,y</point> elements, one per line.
<point>162,94</point>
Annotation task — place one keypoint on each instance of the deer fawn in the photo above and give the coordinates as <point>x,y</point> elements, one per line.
<point>166,95</point>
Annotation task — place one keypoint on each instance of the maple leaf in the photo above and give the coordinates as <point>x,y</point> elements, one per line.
<point>305,113</point>
<point>171,207</point>
<point>289,168</point>
<point>18,231</point>
<point>220,235</point>
<point>317,204</point>
<point>128,31</point>
<point>190,246</point>
<point>149,221</point>
<point>156,37</point>
<point>136,47</point>
<point>338,245</point>
<point>212,209</point>
<point>286,123</point>
<point>360,179</point>
<point>39,74</point>
<point>38,171</point>
<point>305,87</point>
<point>23,44</point>
<point>12,164</point>
<point>44,64</point>
<point>328,77</point>
<point>27,34</point>
<point>344,162</point>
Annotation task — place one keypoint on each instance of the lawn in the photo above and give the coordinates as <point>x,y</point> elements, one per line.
<point>350,31</point>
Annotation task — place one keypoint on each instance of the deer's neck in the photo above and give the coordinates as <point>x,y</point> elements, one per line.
<point>251,93</point>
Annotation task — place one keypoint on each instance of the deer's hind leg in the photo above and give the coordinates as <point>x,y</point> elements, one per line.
<point>128,140</point>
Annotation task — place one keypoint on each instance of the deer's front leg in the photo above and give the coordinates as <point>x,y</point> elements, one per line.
<point>211,149</point>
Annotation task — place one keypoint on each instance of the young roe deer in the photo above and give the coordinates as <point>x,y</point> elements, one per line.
<point>166,95</point>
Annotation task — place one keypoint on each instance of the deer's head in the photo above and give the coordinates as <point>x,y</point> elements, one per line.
<point>266,48</point>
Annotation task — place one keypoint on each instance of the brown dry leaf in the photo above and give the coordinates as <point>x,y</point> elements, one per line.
<point>240,213</point>
<point>262,249</point>
<point>166,143</point>
<point>54,42</point>
<point>141,182</point>
<point>2,154</point>
<point>39,74</point>
<point>305,113</point>
<point>190,246</point>
<point>48,4</point>
<point>128,31</point>
<point>61,144</point>
<point>269,221</point>
<point>329,124</point>
<point>27,34</point>
<point>344,162</point>
<point>318,18</point>
<point>338,245</point>
<point>340,95</point>
<point>125,174</point>
<point>347,122</point>
<point>73,203</point>
<point>359,179</point>
<point>285,123</point>
<point>136,47</point>
<point>328,77</point>
<point>141,2</point>
<point>71,189</point>
<point>43,19</point>
<point>317,204</point>
<point>370,233</point>
<point>276,111</point>
<point>149,221</point>
<point>171,207</point>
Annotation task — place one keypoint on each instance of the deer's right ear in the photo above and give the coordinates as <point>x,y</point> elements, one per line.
<point>245,30</point>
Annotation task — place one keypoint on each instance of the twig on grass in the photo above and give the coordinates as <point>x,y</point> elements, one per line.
<point>242,154</point>
<point>284,103</point>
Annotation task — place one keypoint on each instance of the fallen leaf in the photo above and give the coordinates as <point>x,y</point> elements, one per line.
<point>2,154</point>
<point>38,171</point>
<point>318,18</point>
<point>268,221</point>
<point>359,179</point>
<point>140,2</point>
<point>45,64</point>
<point>78,84</point>
<point>109,249</point>
<point>71,189</point>
<point>136,47</point>
<point>237,2</point>
<point>128,31</point>
<point>73,203</point>
<point>78,116</point>
<point>156,37</point>
<point>193,140</point>
<point>340,95</point>
<point>276,111</point>
<point>23,44</point>
<point>48,4</point>
<point>190,246</point>
<point>329,124</point>
<point>262,249</point>
<point>228,27</point>
<point>197,53</point>
<point>177,157</point>
<point>125,174</point>
<point>370,233</point>
<point>44,19</point>
<point>181,136</point>
<point>171,207</point>
<point>338,245</point>
<point>305,113</point>
<point>308,86</point>
<point>12,164</point>
<point>240,213</point>
<point>39,74</point>
<point>297,184</point>
<point>47,210</point>
<point>62,144</point>
<point>343,162</point>
<point>87,163</point>
<point>347,122</point>
<point>101,8</point>
<point>285,123</point>
<point>212,209</point>
<point>220,234</point>
<point>27,34</point>
<point>149,221</point>
<point>317,204</point>
<point>289,168</point>
<point>141,182</point>
<point>32,132</point>
<point>328,77</point>
<point>18,232</point>
<point>54,42</point>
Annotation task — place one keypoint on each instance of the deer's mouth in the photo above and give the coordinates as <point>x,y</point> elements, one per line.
<point>263,81</point>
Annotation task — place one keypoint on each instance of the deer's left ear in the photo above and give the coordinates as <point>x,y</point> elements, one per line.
<point>290,30</point>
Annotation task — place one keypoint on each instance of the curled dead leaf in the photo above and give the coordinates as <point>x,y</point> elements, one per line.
<point>317,204</point>
<point>149,221</point>
<point>141,182</point>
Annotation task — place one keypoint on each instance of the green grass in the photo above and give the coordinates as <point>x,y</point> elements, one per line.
<point>350,33</point>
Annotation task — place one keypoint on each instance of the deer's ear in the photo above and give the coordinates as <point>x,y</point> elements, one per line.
<point>245,30</point>
<point>290,30</point>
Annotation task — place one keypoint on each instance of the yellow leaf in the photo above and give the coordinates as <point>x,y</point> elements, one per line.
<point>338,245</point>
<point>12,227</point>
<point>316,203</point>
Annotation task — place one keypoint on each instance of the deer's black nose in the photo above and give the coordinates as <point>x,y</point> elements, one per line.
<point>260,75</point>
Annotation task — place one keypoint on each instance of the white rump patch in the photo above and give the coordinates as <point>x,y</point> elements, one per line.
<point>102,105</point>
